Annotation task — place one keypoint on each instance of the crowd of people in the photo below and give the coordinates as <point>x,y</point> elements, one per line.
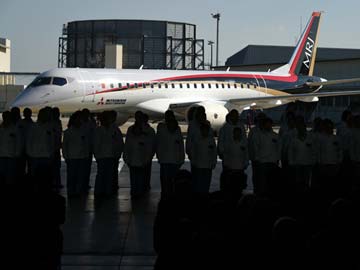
<point>305,182</point>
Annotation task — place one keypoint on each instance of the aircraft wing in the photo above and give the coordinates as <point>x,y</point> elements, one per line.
<point>332,82</point>
<point>277,100</point>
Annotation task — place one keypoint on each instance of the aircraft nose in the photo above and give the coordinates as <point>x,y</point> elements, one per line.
<point>21,100</point>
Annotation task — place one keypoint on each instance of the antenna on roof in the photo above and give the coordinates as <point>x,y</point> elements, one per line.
<point>141,67</point>
<point>228,69</point>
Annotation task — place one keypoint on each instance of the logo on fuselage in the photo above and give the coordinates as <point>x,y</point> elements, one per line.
<point>308,51</point>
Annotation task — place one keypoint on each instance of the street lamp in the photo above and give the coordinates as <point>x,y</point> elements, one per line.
<point>211,43</point>
<point>217,17</point>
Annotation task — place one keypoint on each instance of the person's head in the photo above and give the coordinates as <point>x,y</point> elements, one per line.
<point>268,124</point>
<point>104,119</point>
<point>27,113</point>
<point>200,116</point>
<point>112,116</point>
<point>47,114</point>
<point>139,116</point>
<point>191,114</point>
<point>7,119</point>
<point>169,115</point>
<point>15,114</point>
<point>42,116</point>
<point>328,127</point>
<point>340,212</point>
<point>286,233</point>
<point>85,115</point>
<point>55,113</point>
<point>75,120</point>
<point>234,116</point>
<point>346,115</point>
<point>259,119</point>
<point>237,134</point>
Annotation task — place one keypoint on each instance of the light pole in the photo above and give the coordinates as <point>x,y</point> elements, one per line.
<point>211,43</point>
<point>217,17</point>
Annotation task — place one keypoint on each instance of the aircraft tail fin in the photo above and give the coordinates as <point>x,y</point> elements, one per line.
<point>302,61</point>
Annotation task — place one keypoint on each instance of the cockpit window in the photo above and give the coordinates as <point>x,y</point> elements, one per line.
<point>59,81</point>
<point>40,81</point>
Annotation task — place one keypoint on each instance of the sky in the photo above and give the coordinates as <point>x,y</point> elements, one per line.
<point>34,26</point>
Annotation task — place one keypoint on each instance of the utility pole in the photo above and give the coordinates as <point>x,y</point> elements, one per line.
<point>217,17</point>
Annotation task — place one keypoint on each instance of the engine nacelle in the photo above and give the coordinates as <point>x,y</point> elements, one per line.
<point>215,114</point>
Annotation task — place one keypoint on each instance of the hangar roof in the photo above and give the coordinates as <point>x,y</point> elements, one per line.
<point>265,54</point>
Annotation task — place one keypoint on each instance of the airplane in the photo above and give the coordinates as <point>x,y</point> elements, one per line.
<point>155,91</point>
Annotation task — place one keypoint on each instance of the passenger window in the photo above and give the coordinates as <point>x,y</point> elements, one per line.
<point>195,85</point>
<point>248,85</point>
<point>59,81</point>
<point>223,85</point>
<point>188,85</point>
<point>111,85</point>
<point>242,86</point>
<point>128,85</point>
<point>166,85</point>
<point>136,85</point>
<point>152,85</point>
<point>202,85</point>
<point>180,85</point>
<point>209,86</point>
<point>159,85</point>
<point>172,85</point>
<point>217,85</point>
<point>144,85</point>
<point>235,86</point>
<point>228,85</point>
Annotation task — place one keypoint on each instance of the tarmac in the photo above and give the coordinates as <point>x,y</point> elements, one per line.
<point>115,233</point>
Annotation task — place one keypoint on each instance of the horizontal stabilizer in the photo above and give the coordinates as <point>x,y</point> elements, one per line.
<point>332,82</point>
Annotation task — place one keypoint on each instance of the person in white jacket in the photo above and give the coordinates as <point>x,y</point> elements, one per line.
<point>226,135</point>
<point>330,158</point>
<point>108,145</point>
<point>169,151</point>
<point>58,132</point>
<point>301,156</point>
<point>267,156</point>
<point>89,124</point>
<point>11,149</point>
<point>252,138</point>
<point>203,159</point>
<point>75,150</point>
<point>40,146</point>
<point>138,152</point>
<point>235,156</point>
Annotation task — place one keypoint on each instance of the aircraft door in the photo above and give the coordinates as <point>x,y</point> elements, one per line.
<point>88,87</point>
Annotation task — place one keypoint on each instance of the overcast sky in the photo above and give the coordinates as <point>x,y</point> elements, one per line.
<point>33,26</point>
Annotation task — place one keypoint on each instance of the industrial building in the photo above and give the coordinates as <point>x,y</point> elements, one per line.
<point>331,63</point>
<point>146,43</point>
<point>5,61</point>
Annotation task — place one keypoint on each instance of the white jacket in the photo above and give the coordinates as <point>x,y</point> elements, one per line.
<point>76,143</point>
<point>226,134</point>
<point>266,147</point>
<point>204,153</point>
<point>235,155</point>
<point>11,142</point>
<point>108,142</point>
<point>138,151</point>
<point>330,150</point>
<point>252,138</point>
<point>302,152</point>
<point>41,141</point>
<point>169,146</point>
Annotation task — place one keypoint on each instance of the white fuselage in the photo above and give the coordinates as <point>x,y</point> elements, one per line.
<point>129,90</point>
